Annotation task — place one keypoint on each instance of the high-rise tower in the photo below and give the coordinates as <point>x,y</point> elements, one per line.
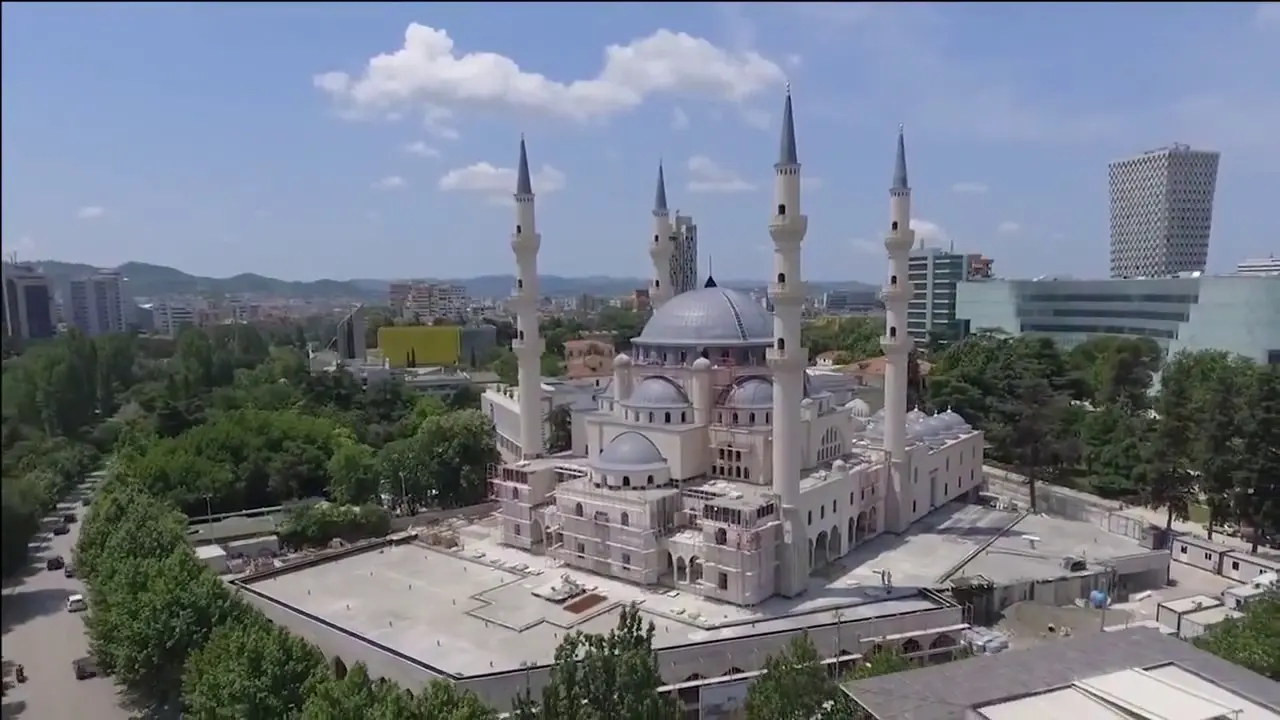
<point>787,358</point>
<point>896,343</point>
<point>527,345</point>
<point>1162,211</point>
<point>662,247</point>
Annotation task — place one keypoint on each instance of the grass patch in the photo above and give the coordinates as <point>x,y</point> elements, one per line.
<point>1199,514</point>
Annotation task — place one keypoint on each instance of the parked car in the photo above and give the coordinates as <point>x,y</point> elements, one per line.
<point>77,603</point>
<point>61,529</point>
<point>69,518</point>
<point>54,563</point>
<point>84,668</point>
<point>69,571</point>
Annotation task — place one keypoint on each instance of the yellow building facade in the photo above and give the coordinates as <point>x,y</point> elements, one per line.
<point>406,346</point>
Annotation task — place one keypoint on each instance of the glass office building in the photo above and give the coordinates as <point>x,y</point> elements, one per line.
<point>1240,314</point>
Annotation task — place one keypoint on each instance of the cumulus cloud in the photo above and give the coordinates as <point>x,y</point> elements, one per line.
<point>390,182</point>
<point>497,184</point>
<point>421,149</point>
<point>969,188</point>
<point>1009,227</point>
<point>428,71</point>
<point>928,234</point>
<point>706,176</point>
<point>89,212</point>
<point>679,119</point>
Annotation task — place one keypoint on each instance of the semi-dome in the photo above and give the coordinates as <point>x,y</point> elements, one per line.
<point>915,416</point>
<point>630,449</point>
<point>710,316</point>
<point>954,421</point>
<point>658,392</point>
<point>751,393</point>
<point>877,417</point>
<point>859,408</point>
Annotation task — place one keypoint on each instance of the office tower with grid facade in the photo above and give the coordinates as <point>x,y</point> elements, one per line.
<point>684,260</point>
<point>1162,211</point>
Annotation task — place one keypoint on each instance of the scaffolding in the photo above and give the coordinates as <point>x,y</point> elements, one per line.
<point>600,530</point>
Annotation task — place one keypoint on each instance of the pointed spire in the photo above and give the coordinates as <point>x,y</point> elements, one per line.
<point>900,164</point>
<point>787,149</point>
<point>524,184</point>
<point>660,195</point>
<point>711,280</point>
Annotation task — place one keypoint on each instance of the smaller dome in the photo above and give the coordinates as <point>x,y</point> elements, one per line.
<point>877,417</point>
<point>702,364</point>
<point>859,408</point>
<point>915,416</point>
<point>631,449</point>
<point>752,392</point>
<point>658,392</point>
<point>839,465</point>
<point>934,428</point>
<point>954,421</point>
<point>622,360</point>
<point>874,432</point>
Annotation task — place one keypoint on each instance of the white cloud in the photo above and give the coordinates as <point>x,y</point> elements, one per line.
<point>705,176</point>
<point>1009,227</point>
<point>498,183</point>
<point>429,72</point>
<point>867,247</point>
<point>439,122</point>
<point>421,149</point>
<point>679,119</point>
<point>969,188</point>
<point>88,212</point>
<point>390,182</point>
<point>931,234</point>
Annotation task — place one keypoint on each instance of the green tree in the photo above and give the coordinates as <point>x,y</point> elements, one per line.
<point>1166,478</point>
<point>603,677</point>
<point>1252,641</point>
<point>796,686</point>
<point>251,671</point>
<point>404,470</point>
<point>353,478</point>
<point>560,438</point>
<point>460,449</point>
<point>1257,501</point>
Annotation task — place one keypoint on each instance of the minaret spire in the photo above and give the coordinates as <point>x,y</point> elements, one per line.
<point>897,344</point>
<point>663,245</point>
<point>527,345</point>
<point>788,358</point>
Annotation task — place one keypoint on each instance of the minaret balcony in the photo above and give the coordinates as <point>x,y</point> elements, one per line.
<point>526,243</point>
<point>787,292</point>
<point>536,343</point>
<point>895,293</point>
<point>899,242</point>
<point>786,229</point>
<point>896,346</point>
<point>786,359</point>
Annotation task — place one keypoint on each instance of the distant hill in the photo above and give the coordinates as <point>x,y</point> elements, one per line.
<point>146,280</point>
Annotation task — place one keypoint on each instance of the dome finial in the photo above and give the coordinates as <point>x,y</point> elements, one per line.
<point>711,279</point>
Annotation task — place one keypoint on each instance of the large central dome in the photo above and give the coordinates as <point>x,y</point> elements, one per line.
<point>710,316</point>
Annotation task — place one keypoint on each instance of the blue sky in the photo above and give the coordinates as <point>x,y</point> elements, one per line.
<point>224,138</point>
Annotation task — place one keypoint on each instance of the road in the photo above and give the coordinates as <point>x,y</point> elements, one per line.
<point>44,637</point>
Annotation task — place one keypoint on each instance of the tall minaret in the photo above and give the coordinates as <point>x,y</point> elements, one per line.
<point>527,344</point>
<point>661,249</point>
<point>787,358</point>
<point>896,343</point>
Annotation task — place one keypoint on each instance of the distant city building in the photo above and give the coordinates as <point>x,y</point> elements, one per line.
<point>97,305</point>
<point>684,261</point>
<point>172,318</point>
<point>1259,266</point>
<point>933,274</point>
<point>427,301</point>
<point>1236,313</point>
<point>350,341</point>
<point>588,357</point>
<point>28,303</point>
<point>1162,211</point>
<point>851,302</point>
<point>398,292</point>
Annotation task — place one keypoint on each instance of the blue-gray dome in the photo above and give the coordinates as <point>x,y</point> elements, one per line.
<point>711,316</point>
<point>752,392</point>
<point>631,449</point>
<point>657,392</point>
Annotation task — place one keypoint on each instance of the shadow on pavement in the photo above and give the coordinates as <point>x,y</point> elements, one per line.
<point>13,709</point>
<point>23,606</point>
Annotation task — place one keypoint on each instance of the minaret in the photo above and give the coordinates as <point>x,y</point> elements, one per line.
<point>896,343</point>
<point>787,358</point>
<point>527,344</point>
<point>661,249</point>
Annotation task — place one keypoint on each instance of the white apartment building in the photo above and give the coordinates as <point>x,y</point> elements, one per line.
<point>98,305</point>
<point>426,301</point>
<point>684,259</point>
<point>171,318</point>
<point>1162,211</point>
<point>1259,266</point>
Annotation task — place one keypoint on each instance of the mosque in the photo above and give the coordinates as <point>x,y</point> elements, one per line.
<point>712,464</point>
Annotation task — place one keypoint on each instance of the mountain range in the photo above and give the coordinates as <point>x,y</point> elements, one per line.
<point>158,281</point>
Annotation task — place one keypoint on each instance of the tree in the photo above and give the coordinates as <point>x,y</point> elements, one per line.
<point>603,677</point>
<point>1252,641</point>
<point>560,438</point>
<point>796,686</point>
<point>251,670</point>
<point>1217,446</point>
<point>1257,499</point>
<point>1166,477</point>
<point>403,468</point>
<point>353,478</point>
<point>460,449</point>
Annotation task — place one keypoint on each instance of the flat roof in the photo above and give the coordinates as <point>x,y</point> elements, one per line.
<point>232,527</point>
<point>1191,604</point>
<point>1212,615</point>
<point>945,692</point>
<point>474,612</point>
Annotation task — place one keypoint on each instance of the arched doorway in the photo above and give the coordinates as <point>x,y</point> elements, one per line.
<point>873,520</point>
<point>834,545</point>
<point>860,528</point>
<point>942,649</point>
<point>537,535</point>
<point>682,570</point>
<point>911,646</point>
<point>820,556</point>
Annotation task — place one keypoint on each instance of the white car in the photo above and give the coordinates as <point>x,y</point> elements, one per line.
<point>77,603</point>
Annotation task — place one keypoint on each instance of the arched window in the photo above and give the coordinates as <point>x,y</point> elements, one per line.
<point>650,417</point>
<point>722,536</point>
<point>577,510</point>
<point>666,418</point>
<point>751,418</point>
<point>655,238</point>
<point>518,229</point>
<point>519,284</point>
<point>782,277</point>
<point>657,283</point>
<point>782,209</point>
<point>649,480</point>
<point>520,334</point>
<point>782,343</point>
<point>893,333</point>
<point>894,226</point>
<point>746,473</point>
<point>767,419</point>
<point>735,418</point>
<point>683,417</point>
<point>626,481</point>
<point>893,281</point>
<point>626,520</point>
